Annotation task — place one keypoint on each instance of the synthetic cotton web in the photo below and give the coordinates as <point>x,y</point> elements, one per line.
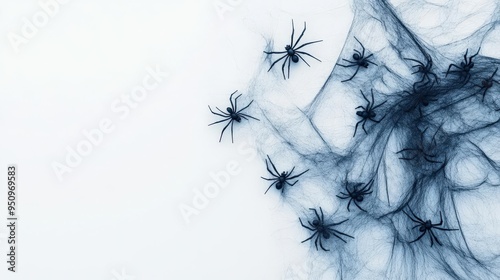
<point>402,144</point>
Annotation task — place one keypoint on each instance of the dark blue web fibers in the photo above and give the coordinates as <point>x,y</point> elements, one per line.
<point>402,148</point>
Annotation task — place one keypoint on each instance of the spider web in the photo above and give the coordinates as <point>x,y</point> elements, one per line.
<point>436,149</point>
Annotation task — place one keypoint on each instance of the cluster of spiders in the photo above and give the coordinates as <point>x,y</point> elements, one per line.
<point>356,194</point>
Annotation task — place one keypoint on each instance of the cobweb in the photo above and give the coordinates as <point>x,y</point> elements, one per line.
<point>435,151</point>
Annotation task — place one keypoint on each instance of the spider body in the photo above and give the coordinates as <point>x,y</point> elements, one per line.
<point>292,53</point>
<point>487,83</point>
<point>368,113</point>
<point>356,195</point>
<point>427,226</point>
<point>424,70</point>
<point>322,230</point>
<point>359,60</point>
<point>465,67</point>
<point>232,115</point>
<point>280,179</point>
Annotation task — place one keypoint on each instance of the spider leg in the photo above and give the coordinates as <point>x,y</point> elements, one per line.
<point>471,57</point>
<point>418,238</point>
<point>356,51</point>
<point>303,45</point>
<point>233,106</point>
<point>268,179</point>
<point>309,55</point>
<point>363,47</point>
<point>430,160</point>
<point>374,107</point>
<point>290,173</point>
<point>286,55</point>
<point>293,32</point>
<point>363,126</point>
<point>349,205</point>
<point>356,128</point>
<point>368,106</point>
<point>430,237</point>
<point>248,116</point>
<point>292,184</point>
<point>414,60</point>
<point>222,133</point>
<point>312,236</point>
<point>300,37</point>
<point>321,245</point>
<point>359,206</point>
<point>224,115</point>
<point>352,65</point>
<point>353,62</point>
<point>334,234</point>
<point>449,67</point>
<point>336,224</point>
<point>411,218</point>
<point>316,241</point>
<point>465,55</point>
<point>316,212</point>
<point>410,158</point>
<point>219,121</point>
<point>339,232</point>
<point>269,187</point>
<point>275,52</point>
<point>492,75</point>
<point>232,137</point>
<point>360,107</point>
<point>374,120</point>
<point>293,177</point>
<point>322,217</point>
<point>369,61</point>
<point>435,238</point>
<point>416,217</point>
<point>274,167</point>
<point>241,110</point>
<point>283,67</point>
<point>303,59</point>
<point>289,61</point>
<point>435,76</point>
<point>445,229</point>
<point>367,187</point>
<point>342,197</point>
<point>305,226</point>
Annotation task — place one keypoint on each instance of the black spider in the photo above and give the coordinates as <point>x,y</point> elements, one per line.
<point>232,115</point>
<point>427,226</point>
<point>356,195</point>
<point>281,179</point>
<point>321,230</point>
<point>464,68</point>
<point>422,96</point>
<point>367,113</point>
<point>486,84</point>
<point>419,150</point>
<point>425,70</point>
<point>359,60</point>
<point>292,52</point>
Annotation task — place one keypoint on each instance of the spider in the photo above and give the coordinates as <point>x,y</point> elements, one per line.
<point>359,60</point>
<point>367,113</point>
<point>292,52</point>
<point>464,68</point>
<point>427,226</point>
<point>419,151</point>
<point>322,231</point>
<point>356,195</point>
<point>281,179</point>
<point>232,115</point>
<point>486,84</point>
<point>419,97</point>
<point>425,70</point>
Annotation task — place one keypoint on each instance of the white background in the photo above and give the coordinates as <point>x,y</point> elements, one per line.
<point>117,213</point>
